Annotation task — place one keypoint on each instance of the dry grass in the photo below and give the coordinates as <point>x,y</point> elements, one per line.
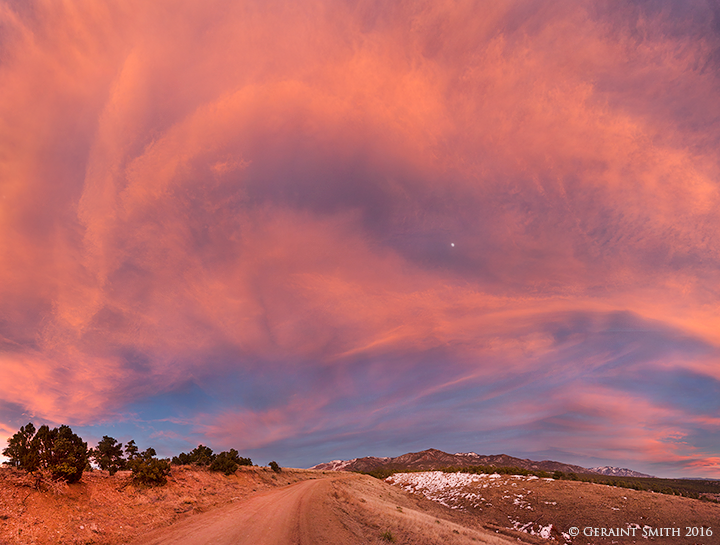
<point>512,502</point>
<point>110,510</point>
<point>378,512</point>
<point>104,509</point>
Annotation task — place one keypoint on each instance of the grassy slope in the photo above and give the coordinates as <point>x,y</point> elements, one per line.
<point>102,509</point>
<point>690,488</point>
<point>534,503</point>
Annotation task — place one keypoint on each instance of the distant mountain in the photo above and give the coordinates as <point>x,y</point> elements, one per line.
<point>617,472</point>
<point>433,459</point>
<point>342,465</point>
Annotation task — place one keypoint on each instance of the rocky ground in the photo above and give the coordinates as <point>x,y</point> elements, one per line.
<point>548,509</point>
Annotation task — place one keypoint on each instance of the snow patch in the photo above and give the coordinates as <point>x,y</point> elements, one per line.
<point>444,488</point>
<point>528,528</point>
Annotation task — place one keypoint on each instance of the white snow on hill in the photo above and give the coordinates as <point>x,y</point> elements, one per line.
<point>461,490</point>
<point>617,471</point>
<point>444,488</point>
<point>334,465</point>
<point>452,489</point>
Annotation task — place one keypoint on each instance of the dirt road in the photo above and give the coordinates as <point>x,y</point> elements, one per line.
<point>284,516</point>
<point>338,510</point>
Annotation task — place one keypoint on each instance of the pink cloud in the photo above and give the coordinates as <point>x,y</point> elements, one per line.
<point>281,182</point>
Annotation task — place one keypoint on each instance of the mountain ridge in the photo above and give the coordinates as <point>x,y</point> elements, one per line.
<point>613,471</point>
<point>434,459</point>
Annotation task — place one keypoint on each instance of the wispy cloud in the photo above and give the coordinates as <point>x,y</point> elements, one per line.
<point>344,222</point>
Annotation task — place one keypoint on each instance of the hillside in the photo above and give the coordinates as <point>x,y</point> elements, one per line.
<point>105,509</point>
<point>308,507</point>
<point>547,509</point>
<point>254,506</point>
<point>335,508</point>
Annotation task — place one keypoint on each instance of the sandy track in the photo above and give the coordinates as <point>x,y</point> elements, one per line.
<point>289,515</point>
<point>338,510</point>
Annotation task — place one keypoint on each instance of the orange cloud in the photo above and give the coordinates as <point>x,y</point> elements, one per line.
<point>189,189</point>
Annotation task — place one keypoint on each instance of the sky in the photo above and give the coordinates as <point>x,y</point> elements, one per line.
<point>327,229</point>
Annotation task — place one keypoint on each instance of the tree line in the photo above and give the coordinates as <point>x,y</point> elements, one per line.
<point>65,456</point>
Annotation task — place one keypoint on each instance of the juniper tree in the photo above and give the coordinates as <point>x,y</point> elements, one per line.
<point>148,470</point>
<point>201,455</point>
<point>109,455</point>
<point>58,450</point>
<point>228,462</point>
<point>182,459</point>
<point>131,450</point>
<point>67,457</point>
<point>18,450</point>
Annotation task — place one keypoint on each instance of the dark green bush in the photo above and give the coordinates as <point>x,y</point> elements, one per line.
<point>275,467</point>
<point>60,451</point>
<point>381,473</point>
<point>225,463</point>
<point>182,459</point>
<point>228,462</point>
<point>201,456</point>
<point>57,450</point>
<point>109,455</point>
<point>19,450</point>
<point>148,470</point>
<point>131,450</point>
